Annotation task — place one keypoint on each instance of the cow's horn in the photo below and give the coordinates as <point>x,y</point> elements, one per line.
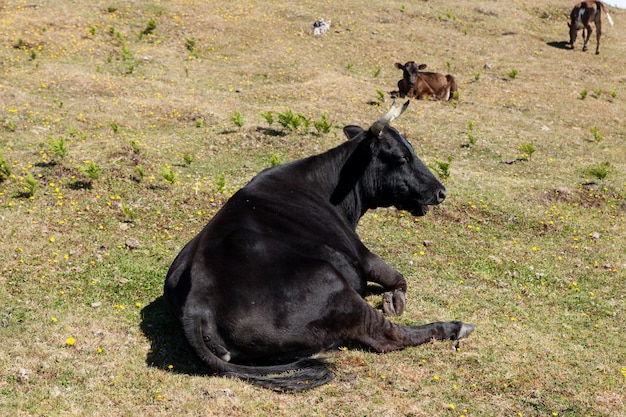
<point>393,112</point>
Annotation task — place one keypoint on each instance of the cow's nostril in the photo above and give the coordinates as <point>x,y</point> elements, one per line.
<point>441,195</point>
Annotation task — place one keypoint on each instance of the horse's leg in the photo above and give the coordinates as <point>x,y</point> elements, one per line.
<point>598,33</point>
<point>587,35</point>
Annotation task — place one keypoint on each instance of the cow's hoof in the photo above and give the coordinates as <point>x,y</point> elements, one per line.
<point>394,303</point>
<point>465,331</point>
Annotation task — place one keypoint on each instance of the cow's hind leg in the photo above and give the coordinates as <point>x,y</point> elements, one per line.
<point>598,33</point>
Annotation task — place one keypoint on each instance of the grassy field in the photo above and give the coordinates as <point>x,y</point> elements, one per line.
<point>125,125</point>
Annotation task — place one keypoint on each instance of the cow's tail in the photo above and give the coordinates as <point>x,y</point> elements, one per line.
<point>300,375</point>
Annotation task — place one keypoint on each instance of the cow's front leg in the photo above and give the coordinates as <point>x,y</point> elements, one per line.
<point>394,300</point>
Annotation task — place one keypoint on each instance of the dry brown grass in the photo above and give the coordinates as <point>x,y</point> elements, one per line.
<point>523,250</point>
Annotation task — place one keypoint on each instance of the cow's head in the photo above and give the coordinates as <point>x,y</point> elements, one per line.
<point>391,173</point>
<point>410,71</point>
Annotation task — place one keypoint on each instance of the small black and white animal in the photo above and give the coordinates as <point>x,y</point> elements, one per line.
<point>280,274</point>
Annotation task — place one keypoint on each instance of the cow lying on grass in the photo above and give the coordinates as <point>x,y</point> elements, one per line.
<point>424,85</point>
<point>581,17</point>
<point>280,274</point>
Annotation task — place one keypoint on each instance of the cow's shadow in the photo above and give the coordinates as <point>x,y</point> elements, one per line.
<point>559,44</point>
<point>169,350</point>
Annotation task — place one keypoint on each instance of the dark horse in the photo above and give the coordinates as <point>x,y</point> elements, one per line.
<point>581,17</point>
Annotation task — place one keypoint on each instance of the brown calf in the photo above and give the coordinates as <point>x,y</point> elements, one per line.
<point>581,17</point>
<point>425,85</point>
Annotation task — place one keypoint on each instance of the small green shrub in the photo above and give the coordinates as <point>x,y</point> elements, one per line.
<point>323,126</point>
<point>596,134</point>
<point>5,169</point>
<point>443,168</point>
<point>140,172</point>
<point>600,171</point>
<point>527,150</point>
<point>91,170</point>
<point>583,94</point>
<point>150,27</point>
<point>292,121</point>
<point>190,44</point>
<point>380,95</point>
<point>30,185</point>
<point>220,182</point>
<point>470,136</point>
<point>168,175</point>
<point>58,147</point>
<point>268,116</point>
<point>237,119</point>
<point>188,159</point>
<point>134,146</point>
<point>512,74</point>
<point>274,160</point>
<point>130,214</point>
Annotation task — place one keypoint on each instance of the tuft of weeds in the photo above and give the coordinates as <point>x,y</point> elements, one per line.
<point>527,150</point>
<point>5,169</point>
<point>323,125</point>
<point>220,183</point>
<point>471,139</point>
<point>140,172</point>
<point>188,159</point>
<point>596,134</point>
<point>150,27</point>
<point>129,213</point>
<point>512,74</point>
<point>442,168</point>
<point>190,45</point>
<point>91,170</point>
<point>237,119</point>
<point>583,94</point>
<point>380,96</point>
<point>268,116</point>
<point>274,160</point>
<point>134,146</point>
<point>10,125</point>
<point>376,72</point>
<point>30,185</point>
<point>58,147</point>
<point>293,122</point>
<point>168,175</point>
<point>600,171</point>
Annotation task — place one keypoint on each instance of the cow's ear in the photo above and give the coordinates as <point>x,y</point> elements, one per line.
<point>399,65</point>
<point>421,67</point>
<point>569,25</point>
<point>352,131</point>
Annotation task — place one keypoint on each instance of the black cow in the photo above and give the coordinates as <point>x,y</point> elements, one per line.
<point>280,274</point>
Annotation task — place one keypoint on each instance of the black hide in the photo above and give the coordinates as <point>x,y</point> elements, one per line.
<point>279,273</point>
